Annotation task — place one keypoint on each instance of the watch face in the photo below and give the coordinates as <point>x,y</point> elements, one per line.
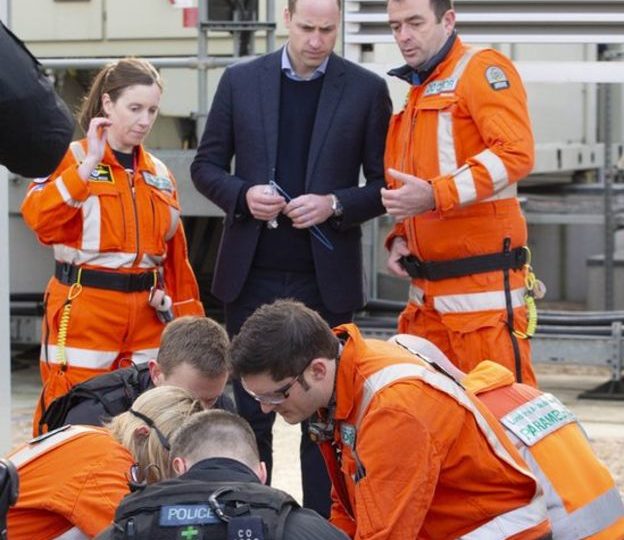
<point>336,206</point>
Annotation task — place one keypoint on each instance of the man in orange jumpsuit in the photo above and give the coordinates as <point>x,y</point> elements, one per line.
<point>581,496</point>
<point>410,453</point>
<point>453,157</point>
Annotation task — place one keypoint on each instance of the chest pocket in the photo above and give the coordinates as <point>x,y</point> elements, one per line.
<point>104,218</point>
<point>160,218</point>
<point>436,152</point>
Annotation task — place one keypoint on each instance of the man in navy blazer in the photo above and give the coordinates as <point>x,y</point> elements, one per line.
<point>300,123</point>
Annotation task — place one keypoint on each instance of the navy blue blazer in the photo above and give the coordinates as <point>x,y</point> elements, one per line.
<point>349,132</point>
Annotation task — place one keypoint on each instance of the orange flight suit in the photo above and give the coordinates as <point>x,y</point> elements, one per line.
<point>582,498</point>
<point>120,222</point>
<point>419,457</point>
<point>72,480</point>
<point>466,130</point>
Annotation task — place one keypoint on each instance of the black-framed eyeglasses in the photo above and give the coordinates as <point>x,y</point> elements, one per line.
<point>161,437</point>
<point>281,394</point>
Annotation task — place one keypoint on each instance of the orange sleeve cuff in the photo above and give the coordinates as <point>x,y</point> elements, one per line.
<point>397,231</point>
<point>443,193</point>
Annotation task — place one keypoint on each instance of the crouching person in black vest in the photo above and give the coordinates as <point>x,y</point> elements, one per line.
<point>193,355</point>
<point>219,493</point>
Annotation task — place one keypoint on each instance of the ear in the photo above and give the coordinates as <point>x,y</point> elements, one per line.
<point>155,372</point>
<point>319,368</point>
<point>261,471</point>
<point>448,21</point>
<point>142,432</point>
<point>179,465</point>
<point>107,104</point>
<point>287,17</point>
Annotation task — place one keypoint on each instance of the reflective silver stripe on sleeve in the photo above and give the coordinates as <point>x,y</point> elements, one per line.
<point>465,185</point>
<point>465,303</point>
<point>77,151</point>
<point>509,192</point>
<point>91,224</point>
<point>495,168</point>
<point>64,193</point>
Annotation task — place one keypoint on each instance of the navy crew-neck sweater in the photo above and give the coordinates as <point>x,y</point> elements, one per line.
<point>286,248</point>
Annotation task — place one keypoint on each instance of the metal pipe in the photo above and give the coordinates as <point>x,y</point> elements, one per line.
<point>5,318</point>
<point>202,63</point>
<point>270,34</point>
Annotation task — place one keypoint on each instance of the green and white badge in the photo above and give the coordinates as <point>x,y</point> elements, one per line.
<point>539,417</point>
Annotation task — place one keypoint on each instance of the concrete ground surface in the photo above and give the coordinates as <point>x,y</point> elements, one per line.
<point>602,420</point>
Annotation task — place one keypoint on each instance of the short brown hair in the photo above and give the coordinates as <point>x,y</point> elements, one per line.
<point>439,7</point>
<point>281,339</point>
<point>113,79</point>
<point>292,4</point>
<point>198,341</point>
<point>216,434</point>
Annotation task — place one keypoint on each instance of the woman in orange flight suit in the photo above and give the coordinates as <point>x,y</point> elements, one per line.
<point>111,213</point>
<point>72,479</point>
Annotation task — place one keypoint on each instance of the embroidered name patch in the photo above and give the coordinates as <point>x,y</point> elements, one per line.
<point>440,87</point>
<point>161,183</point>
<point>187,514</point>
<point>496,78</point>
<point>102,173</point>
<point>539,417</point>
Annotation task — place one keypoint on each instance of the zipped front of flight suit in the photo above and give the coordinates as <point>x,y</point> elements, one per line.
<point>130,177</point>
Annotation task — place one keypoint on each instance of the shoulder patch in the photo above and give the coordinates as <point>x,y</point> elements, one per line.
<point>162,183</point>
<point>102,173</point>
<point>496,78</point>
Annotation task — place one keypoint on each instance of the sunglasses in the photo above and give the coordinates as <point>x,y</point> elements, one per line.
<point>281,394</point>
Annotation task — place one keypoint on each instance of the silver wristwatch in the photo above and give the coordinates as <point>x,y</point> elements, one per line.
<point>336,206</point>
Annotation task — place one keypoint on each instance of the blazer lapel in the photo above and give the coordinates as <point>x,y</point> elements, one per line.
<point>331,93</point>
<point>270,77</point>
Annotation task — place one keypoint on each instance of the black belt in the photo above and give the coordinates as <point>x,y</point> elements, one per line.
<point>437,270</point>
<point>115,281</point>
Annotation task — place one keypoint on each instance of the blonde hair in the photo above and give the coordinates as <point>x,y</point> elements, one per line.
<point>113,79</point>
<point>167,407</point>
